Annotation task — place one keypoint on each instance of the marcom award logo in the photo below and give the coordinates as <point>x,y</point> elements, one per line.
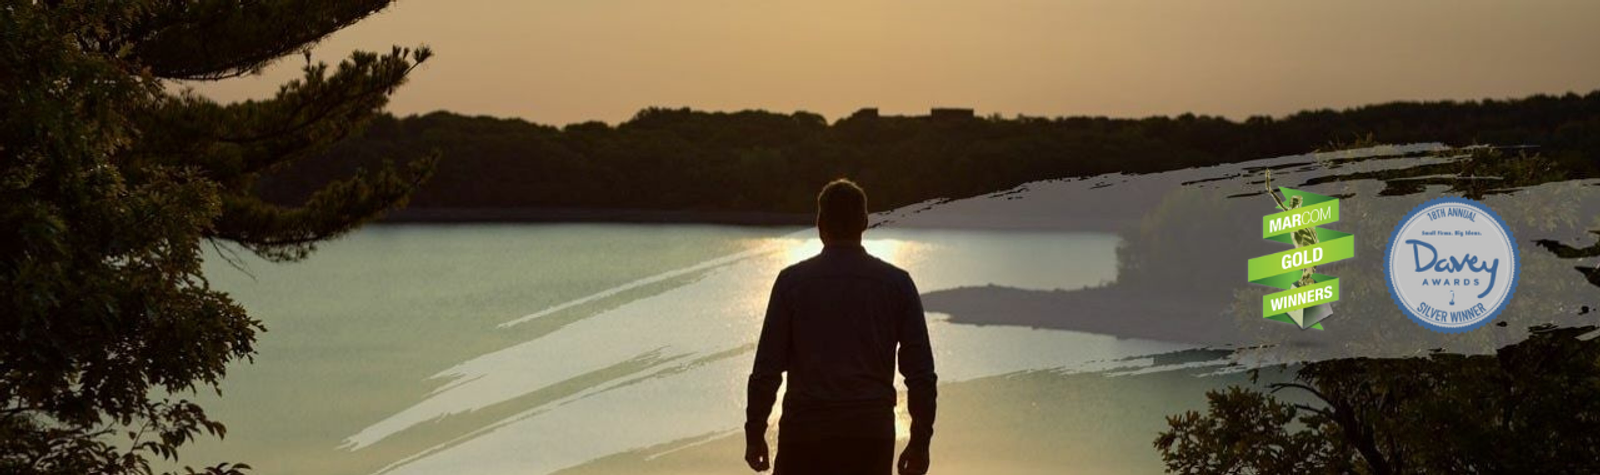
<point>1307,295</point>
<point>1451,264</point>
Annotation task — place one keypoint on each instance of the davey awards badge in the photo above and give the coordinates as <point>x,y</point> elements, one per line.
<point>1307,295</point>
<point>1452,264</point>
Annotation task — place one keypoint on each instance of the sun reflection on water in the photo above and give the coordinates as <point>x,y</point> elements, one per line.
<point>893,251</point>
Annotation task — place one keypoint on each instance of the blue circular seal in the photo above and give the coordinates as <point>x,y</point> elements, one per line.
<point>1451,264</point>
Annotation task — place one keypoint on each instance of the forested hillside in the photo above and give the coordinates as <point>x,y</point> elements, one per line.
<point>680,159</point>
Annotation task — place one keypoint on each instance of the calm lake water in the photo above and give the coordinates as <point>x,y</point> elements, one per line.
<point>624,349</point>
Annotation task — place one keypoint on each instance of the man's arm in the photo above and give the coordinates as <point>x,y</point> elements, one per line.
<point>916,365</point>
<point>772,359</point>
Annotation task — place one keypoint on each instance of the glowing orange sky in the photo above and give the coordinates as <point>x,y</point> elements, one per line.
<point>569,61</point>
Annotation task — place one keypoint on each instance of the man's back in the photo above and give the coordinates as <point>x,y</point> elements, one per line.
<point>835,323</point>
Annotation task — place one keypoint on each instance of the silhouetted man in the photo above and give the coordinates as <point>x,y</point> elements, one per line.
<point>833,323</point>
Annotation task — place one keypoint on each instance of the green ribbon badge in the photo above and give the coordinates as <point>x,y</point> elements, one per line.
<point>1307,295</point>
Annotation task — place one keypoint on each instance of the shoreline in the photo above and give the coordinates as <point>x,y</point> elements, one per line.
<point>592,215</point>
<point>897,218</point>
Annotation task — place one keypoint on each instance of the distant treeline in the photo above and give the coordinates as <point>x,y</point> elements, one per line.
<point>680,159</point>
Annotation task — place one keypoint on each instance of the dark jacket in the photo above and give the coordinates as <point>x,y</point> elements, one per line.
<point>834,323</point>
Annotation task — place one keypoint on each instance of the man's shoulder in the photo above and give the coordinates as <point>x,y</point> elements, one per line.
<point>890,270</point>
<point>896,277</point>
<point>868,266</point>
<point>794,271</point>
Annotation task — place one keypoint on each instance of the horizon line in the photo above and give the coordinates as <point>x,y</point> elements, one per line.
<point>974,113</point>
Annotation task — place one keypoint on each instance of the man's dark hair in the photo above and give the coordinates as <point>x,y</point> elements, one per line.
<point>841,210</point>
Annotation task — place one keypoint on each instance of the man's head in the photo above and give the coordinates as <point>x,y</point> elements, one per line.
<point>841,211</point>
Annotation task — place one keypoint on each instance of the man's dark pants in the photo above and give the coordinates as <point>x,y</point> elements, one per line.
<point>834,456</point>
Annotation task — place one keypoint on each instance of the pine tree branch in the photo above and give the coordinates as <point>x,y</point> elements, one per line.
<point>218,39</point>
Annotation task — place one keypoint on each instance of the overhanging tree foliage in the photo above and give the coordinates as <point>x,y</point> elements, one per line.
<point>1532,407</point>
<point>111,185</point>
